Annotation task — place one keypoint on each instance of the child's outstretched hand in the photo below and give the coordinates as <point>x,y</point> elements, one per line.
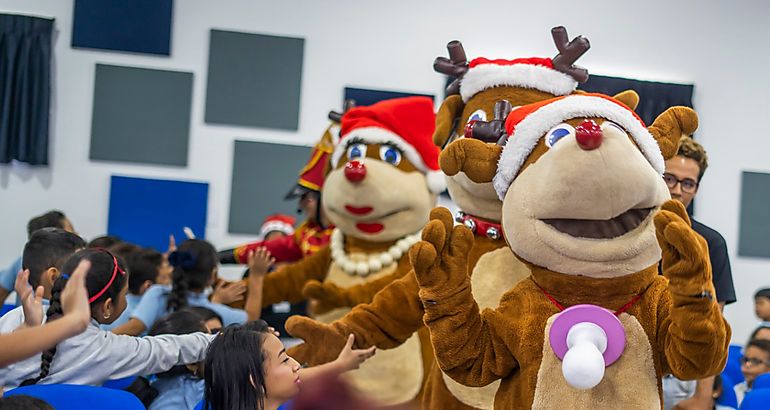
<point>259,261</point>
<point>351,359</point>
<point>31,301</point>
<point>74,298</point>
<point>228,292</point>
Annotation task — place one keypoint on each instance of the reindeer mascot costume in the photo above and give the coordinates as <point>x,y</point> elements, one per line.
<point>485,88</point>
<point>584,206</point>
<point>383,184</point>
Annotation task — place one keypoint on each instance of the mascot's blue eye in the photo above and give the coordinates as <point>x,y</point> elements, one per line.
<point>356,151</point>
<point>390,154</point>
<point>557,133</point>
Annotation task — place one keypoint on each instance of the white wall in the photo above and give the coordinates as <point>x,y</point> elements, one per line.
<point>718,45</point>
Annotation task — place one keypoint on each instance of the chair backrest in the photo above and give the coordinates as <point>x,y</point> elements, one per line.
<point>119,384</point>
<point>74,397</point>
<point>733,371</point>
<point>734,353</point>
<point>728,397</point>
<point>761,382</point>
<point>756,400</point>
<point>200,404</point>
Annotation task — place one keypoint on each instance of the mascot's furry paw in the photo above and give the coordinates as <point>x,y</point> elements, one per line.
<point>440,260</point>
<point>322,342</point>
<point>324,297</point>
<point>685,253</point>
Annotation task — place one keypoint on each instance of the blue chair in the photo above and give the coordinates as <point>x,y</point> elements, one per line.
<point>733,371</point>
<point>756,400</point>
<point>6,308</point>
<point>761,382</point>
<point>119,384</point>
<point>728,397</point>
<point>199,406</point>
<point>74,397</point>
<point>734,353</point>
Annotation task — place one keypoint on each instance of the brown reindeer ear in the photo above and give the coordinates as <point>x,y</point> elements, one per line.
<point>669,127</point>
<point>629,98</point>
<point>450,109</point>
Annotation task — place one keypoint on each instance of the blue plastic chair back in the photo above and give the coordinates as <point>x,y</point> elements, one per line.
<point>199,406</point>
<point>74,397</point>
<point>6,308</point>
<point>756,400</point>
<point>728,397</point>
<point>733,372</point>
<point>761,382</point>
<point>734,353</point>
<point>119,384</point>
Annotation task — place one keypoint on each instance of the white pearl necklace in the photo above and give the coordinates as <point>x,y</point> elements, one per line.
<point>376,261</point>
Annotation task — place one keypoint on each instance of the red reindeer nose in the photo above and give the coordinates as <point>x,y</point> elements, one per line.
<point>355,171</point>
<point>588,135</point>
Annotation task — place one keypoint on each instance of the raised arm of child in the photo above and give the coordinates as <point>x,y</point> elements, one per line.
<point>29,341</point>
<point>348,359</point>
<point>260,261</point>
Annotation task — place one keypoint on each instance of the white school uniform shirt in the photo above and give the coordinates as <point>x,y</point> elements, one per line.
<point>15,318</point>
<point>95,356</point>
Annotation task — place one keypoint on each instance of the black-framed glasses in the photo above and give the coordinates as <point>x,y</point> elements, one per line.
<point>689,185</point>
<point>754,362</point>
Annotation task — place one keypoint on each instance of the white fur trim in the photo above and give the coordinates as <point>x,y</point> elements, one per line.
<point>277,226</point>
<point>534,126</point>
<point>539,77</point>
<point>436,181</point>
<point>376,135</point>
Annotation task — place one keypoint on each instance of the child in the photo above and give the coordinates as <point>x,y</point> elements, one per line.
<point>762,304</point>
<point>195,269</point>
<point>247,367</point>
<point>147,267</point>
<point>95,356</point>
<point>210,318</point>
<point>25,343</point>
<point>44,254</point>
<point>761,333</point>
<point>755,362</point>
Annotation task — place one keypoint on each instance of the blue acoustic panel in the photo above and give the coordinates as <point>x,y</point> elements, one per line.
<point>364,96</point>
<point>755,218</point>
<point>140,26</point>
<point>254,80</point>
<point>141,115</point>
<point>146,211</point>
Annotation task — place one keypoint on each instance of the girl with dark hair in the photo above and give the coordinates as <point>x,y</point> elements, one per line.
<point>195,265</point>
<point>210,318</point>
<point>247,367</point>
<point>95,356</point>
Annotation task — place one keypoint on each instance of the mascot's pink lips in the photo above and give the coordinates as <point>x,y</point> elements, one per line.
<point>370,227</point>
<point>359,210</point>
<point>601,229</point>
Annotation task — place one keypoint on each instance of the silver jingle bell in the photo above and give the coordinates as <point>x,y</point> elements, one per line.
<point>470,224</point>
<point>493,233</point>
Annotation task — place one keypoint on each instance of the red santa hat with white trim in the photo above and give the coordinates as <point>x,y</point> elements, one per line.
<point>278,222</point>
<point>535,73</point>
<point>527,124</point>
<point>406,123</point>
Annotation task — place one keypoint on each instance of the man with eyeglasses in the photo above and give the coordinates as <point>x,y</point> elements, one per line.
<point>754,363</point>
<point>683,176</point>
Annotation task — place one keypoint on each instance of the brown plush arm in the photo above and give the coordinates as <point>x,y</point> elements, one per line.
<point>387,322</point>
<point>329,296</point>
<point>287,282</point>
<point>468,345</point>
<point>693,335</point>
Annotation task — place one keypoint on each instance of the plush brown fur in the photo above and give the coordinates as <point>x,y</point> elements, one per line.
<point>686,335</point>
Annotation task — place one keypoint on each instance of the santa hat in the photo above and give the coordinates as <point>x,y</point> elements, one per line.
<point>278,222</point>
<point>536,73</point>
<point>406,123</point>
<point>527,124</point>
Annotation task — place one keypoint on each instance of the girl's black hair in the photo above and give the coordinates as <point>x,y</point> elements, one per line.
<point>22,402</point>
<point>205,313</point>
<point>182,322</point>
<point>97,280</point>
<point>234,368</point>
<point>194,262</point>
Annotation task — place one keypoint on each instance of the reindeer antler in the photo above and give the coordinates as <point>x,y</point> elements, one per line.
<point>455,66</point>
<point>346,106</point>
<point>491,131</point>
<point>569,52</point>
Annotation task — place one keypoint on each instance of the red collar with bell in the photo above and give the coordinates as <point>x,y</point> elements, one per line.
<point>480,226</point>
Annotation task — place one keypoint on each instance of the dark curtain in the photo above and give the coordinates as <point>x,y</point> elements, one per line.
<point>654,97</point>
<point>25,82</point>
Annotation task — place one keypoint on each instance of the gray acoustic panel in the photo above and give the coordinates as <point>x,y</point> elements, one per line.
<point>754,236</point>
<point>262,175</point>
<point>254,80</point>
<point>141,115</point>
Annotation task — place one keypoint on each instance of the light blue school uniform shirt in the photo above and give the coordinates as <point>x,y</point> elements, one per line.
<point>131,303</point>
<point>153,306</point>
<point>177,393</point>
<point>8,276</point>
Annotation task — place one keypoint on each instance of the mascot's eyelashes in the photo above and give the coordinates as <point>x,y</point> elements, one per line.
<point>557,133</point>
